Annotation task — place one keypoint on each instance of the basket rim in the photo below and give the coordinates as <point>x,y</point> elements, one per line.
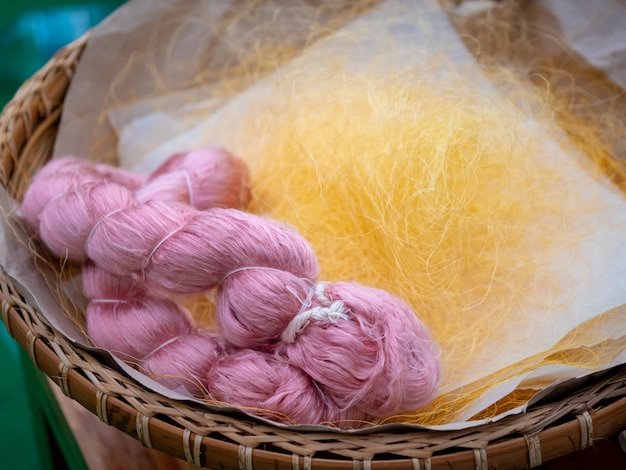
<point>224,441</point>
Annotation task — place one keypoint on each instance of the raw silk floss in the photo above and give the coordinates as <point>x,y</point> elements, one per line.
<point>434,187</point>
<point>288,347</point>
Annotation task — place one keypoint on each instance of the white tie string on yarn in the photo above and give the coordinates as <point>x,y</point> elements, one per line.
<point>156,247</point>
<point>189,187</point>
<point>333,310</point>
<point>98,223</point>
<point>330,309</point>
<point>161,346</point>
<point>246,268</point>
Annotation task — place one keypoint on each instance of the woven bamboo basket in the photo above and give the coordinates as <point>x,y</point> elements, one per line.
<point>593,411</point>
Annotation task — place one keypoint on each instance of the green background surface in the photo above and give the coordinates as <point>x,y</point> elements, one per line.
<point>32,30</point>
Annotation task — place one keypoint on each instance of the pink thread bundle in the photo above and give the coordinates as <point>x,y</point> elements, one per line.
<point>288,347</point>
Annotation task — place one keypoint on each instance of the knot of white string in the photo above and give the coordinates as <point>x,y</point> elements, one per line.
<point>333,310</point>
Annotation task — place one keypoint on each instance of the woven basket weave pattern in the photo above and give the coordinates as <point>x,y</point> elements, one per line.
<point>28,128</point>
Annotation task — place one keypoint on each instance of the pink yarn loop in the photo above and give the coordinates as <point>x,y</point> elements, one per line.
<point>203,178</point>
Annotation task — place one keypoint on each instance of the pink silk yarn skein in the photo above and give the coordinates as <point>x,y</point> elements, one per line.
<point>364,347</point>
